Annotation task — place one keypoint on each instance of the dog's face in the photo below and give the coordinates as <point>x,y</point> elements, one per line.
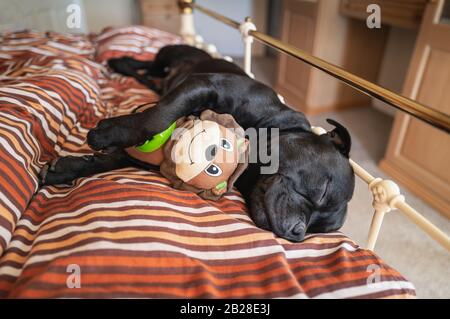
<point>310,191</point>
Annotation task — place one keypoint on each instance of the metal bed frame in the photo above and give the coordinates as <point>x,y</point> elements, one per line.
<point>386,193</point>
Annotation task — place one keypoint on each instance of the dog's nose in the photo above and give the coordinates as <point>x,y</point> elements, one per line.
<point>297,232</point>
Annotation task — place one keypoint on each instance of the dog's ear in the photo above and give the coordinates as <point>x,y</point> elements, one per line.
<point>340,137</point>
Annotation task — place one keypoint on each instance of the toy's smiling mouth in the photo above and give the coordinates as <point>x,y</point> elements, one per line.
<point>190,144</point>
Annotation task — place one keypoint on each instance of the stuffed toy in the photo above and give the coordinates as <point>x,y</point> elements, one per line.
<point>203,154</point>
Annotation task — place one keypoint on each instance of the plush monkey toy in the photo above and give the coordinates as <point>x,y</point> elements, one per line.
<point>204,155</point>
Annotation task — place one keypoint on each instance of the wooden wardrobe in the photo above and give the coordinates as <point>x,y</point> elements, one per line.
<point>318,28</point>
<point>418,155</point>
<point>162,14</point>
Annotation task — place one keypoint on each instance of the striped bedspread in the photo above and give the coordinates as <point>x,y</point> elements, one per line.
<point>127,233</point>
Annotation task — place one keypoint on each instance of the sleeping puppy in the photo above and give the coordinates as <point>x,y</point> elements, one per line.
<point>313,182</point>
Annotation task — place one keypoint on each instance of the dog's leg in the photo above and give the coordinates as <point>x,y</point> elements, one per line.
<point>65,169</point>
<point>130,67</point>
<point>127,66</point>
<point>190,97</point>
<point>251,103</point>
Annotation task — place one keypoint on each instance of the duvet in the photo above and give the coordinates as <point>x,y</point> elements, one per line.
<point>127,233</point>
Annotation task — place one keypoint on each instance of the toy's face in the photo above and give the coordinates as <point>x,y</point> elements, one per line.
<point>206,155</point>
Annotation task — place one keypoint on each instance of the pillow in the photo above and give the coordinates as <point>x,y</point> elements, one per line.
<point>139,42</point>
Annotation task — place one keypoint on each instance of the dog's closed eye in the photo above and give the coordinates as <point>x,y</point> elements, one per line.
<point>315,195</point>
<point>324,192</point>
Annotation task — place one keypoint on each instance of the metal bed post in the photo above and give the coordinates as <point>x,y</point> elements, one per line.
<point>245,29</point>
<point>187,29</point>
<point>385,193</point>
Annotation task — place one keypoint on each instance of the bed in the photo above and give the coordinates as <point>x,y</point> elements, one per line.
<point>127,233</point>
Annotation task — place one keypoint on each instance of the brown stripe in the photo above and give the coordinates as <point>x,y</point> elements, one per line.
<point>345,284</point>
<point>59,210</point>
<point>5,223</point>
<point>149,239</point>
<point>13,173</point>
<point>196,283</point>
<point>174,197</point>
<point>26,137</point>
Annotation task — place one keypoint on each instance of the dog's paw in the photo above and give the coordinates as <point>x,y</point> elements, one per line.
<point>115,64</point>
<point>43,175</point>
<point>117,133</point>
<point>101,137</point>
<point>62,170</point>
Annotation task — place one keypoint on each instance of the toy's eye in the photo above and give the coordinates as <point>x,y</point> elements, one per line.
<point>213,170</point>
<point>210,152</point>
<point>226,145</point>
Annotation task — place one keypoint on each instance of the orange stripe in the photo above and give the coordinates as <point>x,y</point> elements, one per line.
<point>105,261</point>
<point>187,292</point>
<point>19,197</point>
<point>132,234</point>
<point>8,215</point>
<point>181,279</point>
<point>156,262</point>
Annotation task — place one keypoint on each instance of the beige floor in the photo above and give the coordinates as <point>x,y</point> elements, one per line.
<point>401,244</point>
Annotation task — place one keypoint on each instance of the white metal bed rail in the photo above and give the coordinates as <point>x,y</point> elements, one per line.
<point>386,193</point>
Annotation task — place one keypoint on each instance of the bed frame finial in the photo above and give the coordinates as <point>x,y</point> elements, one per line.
<point>185,6</point>
<point>386,194</point>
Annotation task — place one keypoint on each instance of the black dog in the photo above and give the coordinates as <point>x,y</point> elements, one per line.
<point>314,182</point>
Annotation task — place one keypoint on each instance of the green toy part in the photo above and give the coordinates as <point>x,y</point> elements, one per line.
<point>221,186</point>
<point>157,140</point>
